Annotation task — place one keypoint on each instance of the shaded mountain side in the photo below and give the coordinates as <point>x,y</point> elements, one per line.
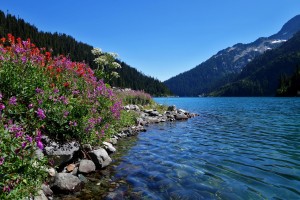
<point>262,76</point>
<point>223,66</point>
<point>289,86</point>
<point>78,51</point>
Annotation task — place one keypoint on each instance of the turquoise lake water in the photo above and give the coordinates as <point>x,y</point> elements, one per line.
<point>238,148</point>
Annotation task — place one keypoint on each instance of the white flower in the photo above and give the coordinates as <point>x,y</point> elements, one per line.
<point>114,55</point>
<point>101,60</point>
<point>96,51</point>
<point>116,65</point>
<point>115,74</point>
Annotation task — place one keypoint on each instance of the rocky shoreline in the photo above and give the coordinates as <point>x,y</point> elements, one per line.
<point>76,161</point>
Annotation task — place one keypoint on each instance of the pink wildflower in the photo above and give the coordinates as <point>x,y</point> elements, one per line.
<point>41,114</point>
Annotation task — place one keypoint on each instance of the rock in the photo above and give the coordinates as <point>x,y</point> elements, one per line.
<point>70,167</point>
<point>114,141</point>
<point>51,172</point>
<point>181,116</point>
<point>182,111</point>
<point>154,113</point>
<point>152,120</point>
<point>109,147</point>
<point>61,153</point>
<point>40,196</point>
<point>131,107</point>
<point>75,171</point>
<point>66,182</point>
<point>87,147</point>
<point>46,189</point>
<point>100,158</point>
<point>86,166</point>
<point>82,178</point>
<point>115,195</point>
<point>172,108</point>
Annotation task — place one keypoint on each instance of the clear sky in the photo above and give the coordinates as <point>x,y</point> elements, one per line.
<point>160,38</point>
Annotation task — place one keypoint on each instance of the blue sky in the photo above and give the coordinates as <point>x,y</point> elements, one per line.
<point>160,38</point>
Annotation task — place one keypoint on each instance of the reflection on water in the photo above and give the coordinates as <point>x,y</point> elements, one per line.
<point>239,148</point>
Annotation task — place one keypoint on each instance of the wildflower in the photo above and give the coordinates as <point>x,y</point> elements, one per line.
<point>40,145</point>
<point>115,74</point>
<point>2,160</point>
<point>2,106</point>
<point>6,189</point>
<point>30,106</point>
<point>19,134</point>
<point>55,90</point>
<point>116,65</point>
<point>66,113</point>
<point>28,138</point>
<point>40,113</point>
<point>1,96</point>
<point>24,145</point>
<point>13,101</point>
<point>66,84</point>
<point>39,91</point>
<point>96,51</point>
<point>114,55</point>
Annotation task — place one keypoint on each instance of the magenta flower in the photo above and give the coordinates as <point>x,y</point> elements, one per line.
<point>30,106</point>
<point>13,101</point>
<point>41,114</point>
<point>24,145</point>
<point>2,106</point>
<point>1,96</point>
<point>40,145</point>
<point>39,91</point>
<point>29,138</point>
<point>66,113</point>
<point>1,160</point>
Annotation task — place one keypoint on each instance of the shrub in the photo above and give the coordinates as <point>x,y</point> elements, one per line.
<point>41,94</point>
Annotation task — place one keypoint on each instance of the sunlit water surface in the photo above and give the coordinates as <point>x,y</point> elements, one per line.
<point>238,148</point>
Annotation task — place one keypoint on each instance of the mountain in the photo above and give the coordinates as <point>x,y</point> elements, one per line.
<point>223,67</point>
<point>79,51</point>
<point>267,72</point>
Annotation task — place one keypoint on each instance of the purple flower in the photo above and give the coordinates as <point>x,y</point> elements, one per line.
<point>39,91</point>
<point>1,96</point>
<point>13,101</point>
<point>29,138</point>
<point>1,160</point>
<point>2,106</point>
<point>40,145</point>
<point>30,106</point>
<point>24,145</point>
<point>41,114</point>
<point>40,101</point>
<point>6,189</point>
<point>23,59</point>
<point>55,91</point>
<point>19,134</point>
<point>66,113</point>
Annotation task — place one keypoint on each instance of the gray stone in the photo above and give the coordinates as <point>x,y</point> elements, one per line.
<point>75,171</point>
<point>87,147</point>
<point>113,140</point>
<point>182,111</point>
<point>181,116</point>
<point>40,196</point>
<point>109,147</point>
<point>61,153</point>
<point>82,178</point>
<point>46,189</point>
<point>86,166</point>
<point>39,154</point>
<point>66,182</point>
<point>100,157</point>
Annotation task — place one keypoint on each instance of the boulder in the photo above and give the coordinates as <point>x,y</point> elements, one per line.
<point>181,116</point>
<point>40,196</point>
<point>61,153</point>
<point>46,189</point>
<point>109,147</point>
<point>86,166</point>
<point>66,182</point>
<point>113,140</point>
<point>100,157</point>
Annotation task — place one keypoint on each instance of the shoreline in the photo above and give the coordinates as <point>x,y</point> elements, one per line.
<point>83,169</point>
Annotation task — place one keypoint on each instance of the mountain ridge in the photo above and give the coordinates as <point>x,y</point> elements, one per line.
<point>222,67</point>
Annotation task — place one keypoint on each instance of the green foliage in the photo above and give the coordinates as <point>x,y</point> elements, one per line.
<point>290,86</point>
<point>135,97</point>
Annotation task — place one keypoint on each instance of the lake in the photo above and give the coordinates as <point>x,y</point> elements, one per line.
<point>238,148</point>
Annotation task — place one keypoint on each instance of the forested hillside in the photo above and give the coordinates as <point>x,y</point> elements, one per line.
<point>78,51</point>
<point>266,73</point>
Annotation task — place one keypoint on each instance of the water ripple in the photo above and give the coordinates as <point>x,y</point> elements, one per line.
<point>239,148</point>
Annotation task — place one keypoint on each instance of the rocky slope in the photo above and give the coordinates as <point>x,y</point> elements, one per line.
<point>221,68</point>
